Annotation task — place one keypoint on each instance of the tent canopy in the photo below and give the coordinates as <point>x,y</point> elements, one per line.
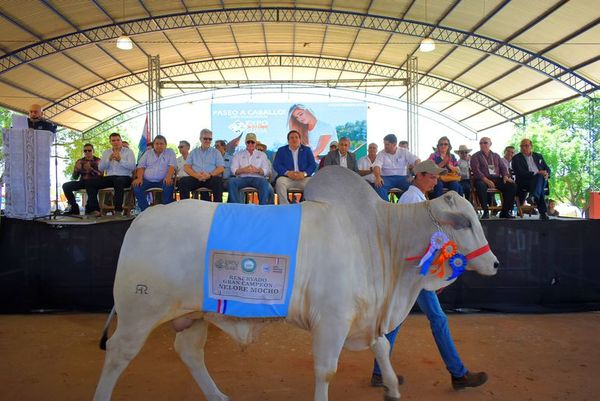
<point>494,61</point>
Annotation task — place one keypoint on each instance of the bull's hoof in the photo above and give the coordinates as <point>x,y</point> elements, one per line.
<point>389,398</point>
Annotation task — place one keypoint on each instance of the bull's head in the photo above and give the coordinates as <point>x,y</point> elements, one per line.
<point>456,217</point>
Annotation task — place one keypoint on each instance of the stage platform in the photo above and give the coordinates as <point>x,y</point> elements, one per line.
<point>69,264</point>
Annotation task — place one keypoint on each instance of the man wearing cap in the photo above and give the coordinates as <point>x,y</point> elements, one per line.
<point>36,119</point>
<point>250,167</point>
<point>341,156</point>
<point>490,172</point>
<point>464,167</point>
<point>293,163</point>
<point>391,167</point>
<point>426,176</point>
<point>204,166</point>
<point>332,148</point>
<point>532,173</point>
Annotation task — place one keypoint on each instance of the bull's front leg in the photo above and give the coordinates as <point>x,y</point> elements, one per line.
<point>328,340</point>
<point>381,348</point>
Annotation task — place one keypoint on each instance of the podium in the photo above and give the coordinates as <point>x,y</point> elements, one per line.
<point>27,172</point>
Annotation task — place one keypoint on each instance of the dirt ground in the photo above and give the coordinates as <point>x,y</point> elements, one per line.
<point>528,357</point>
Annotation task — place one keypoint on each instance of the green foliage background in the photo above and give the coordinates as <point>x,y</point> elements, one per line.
<point>567,136</point>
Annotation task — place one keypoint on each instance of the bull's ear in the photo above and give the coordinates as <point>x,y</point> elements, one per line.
<point>456,220</point>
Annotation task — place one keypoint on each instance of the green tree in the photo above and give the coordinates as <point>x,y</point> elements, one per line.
<point>355,131</point>
<point>5,122</point>
<point>567,136</point>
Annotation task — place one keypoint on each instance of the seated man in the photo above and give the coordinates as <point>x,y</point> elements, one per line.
<point>341,156</point>
<point>391,167</point>
<point>227,154</point>
<point>365,164</point>
<point>490,172</point>
<point>531,172</point>
<point>118,163</point>
<point>85,169</point>
<point>464,165</point>
<point>294,163</point>
<point>250,167</point>
<point>204,166</point>
<point>36,119</point>
<point>184,149</point>
<point>155,169</point>
<point>333,146</point>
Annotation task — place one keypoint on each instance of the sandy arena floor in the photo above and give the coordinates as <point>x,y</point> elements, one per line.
<point>528,357</point>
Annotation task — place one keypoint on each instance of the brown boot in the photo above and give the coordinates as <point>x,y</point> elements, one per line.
<point>469,380</point>
<point>377,380</point>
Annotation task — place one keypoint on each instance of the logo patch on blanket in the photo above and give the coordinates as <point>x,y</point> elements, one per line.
<point>250,259</point>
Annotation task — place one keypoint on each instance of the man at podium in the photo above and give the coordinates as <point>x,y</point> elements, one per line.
<point>36,119</point>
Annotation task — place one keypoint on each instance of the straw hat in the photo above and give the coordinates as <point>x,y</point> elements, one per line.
<point>463,148</point>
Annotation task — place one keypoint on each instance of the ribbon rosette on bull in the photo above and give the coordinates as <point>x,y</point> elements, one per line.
<point>447,252</point>
<point>458,263</point>
<point>438,239</point>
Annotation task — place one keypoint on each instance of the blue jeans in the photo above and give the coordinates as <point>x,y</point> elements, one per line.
<point>392,181</point>
<point>430,305</point>
<point>140,195</point>
<point>265,190</point>
<point>438,190</point>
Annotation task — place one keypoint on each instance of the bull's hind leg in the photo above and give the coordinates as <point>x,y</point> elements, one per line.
<point>189,343</point>
<point>121,348</point>
<point>328,340</point>
<point>381,348</point>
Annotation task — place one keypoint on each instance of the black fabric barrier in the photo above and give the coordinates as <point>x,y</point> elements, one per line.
<point>546,266</point>
<point>52,267</point>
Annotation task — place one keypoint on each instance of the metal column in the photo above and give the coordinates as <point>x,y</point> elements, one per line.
<point>154,96</point>
<point>412,103</point>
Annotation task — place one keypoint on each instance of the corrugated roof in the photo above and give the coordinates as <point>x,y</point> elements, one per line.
<point>495,60</point>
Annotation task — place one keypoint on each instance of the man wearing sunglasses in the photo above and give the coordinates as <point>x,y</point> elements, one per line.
<point>184,149</point>
<point>204,166</point>
<point>250,167</point>
<point>85,169</point>
<point>490,172</point>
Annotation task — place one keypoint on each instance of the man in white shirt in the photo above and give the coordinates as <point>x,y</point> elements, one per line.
<point>184,149</point>
<point>365,164</point>
<point>250,167</point>
<point>391,167</point>
<point>118,164</point>
<point>426,176</point>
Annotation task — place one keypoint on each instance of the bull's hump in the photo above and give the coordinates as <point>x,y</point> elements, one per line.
<point>338,185</point>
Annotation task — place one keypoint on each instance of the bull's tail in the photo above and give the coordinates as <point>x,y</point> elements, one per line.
<point>104,338</point>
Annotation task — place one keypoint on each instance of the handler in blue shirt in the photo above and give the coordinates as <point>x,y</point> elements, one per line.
<point>426,176</point>
<point>294,163</point>
<point>204,166</point>
<point>155,169</point>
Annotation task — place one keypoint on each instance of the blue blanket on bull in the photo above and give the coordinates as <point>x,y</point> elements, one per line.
<point>250,260</point>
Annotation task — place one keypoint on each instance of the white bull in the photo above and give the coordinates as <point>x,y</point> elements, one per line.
<point>352,283</point>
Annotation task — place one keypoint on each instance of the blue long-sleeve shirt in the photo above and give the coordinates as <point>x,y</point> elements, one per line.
<point>123,167</point>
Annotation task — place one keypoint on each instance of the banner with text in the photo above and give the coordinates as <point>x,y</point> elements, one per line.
<point>319,124</point>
